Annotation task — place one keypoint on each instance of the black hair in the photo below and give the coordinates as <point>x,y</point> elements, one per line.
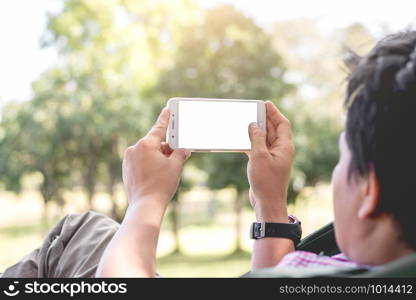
<point>381,125</point>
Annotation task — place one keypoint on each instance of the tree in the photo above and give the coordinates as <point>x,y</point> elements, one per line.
<point>314,60</point>
<point>96,100</point>
<point>31,143</point>
<point>226,55</point>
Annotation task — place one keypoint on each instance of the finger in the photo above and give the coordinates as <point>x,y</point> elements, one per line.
<point>158,131</point>
<point>181,155</point>
<point>257,138</point>
<point>281,123</point>
<point>166,150</point>
<point>271,132</point>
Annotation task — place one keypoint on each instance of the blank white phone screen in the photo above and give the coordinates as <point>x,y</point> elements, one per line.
<point>214,125</point>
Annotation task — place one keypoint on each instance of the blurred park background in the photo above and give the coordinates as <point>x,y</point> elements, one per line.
<point>81,80</point>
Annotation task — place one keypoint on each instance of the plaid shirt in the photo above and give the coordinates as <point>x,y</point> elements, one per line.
<point>304,259</point>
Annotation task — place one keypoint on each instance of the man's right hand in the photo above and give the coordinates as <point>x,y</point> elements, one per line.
<point>269,166</point>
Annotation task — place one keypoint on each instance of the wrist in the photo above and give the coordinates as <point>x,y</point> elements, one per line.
<point>269,209</point>
<point>152,199</point>
<point>152,206</point>
<point>274,213</point>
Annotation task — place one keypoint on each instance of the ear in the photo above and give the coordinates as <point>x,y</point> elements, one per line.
<point>371,190</point>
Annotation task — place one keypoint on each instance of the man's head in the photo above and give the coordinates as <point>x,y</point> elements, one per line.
<point>375,179</point>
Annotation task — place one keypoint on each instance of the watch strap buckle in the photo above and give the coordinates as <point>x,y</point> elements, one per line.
<point>258,230</point>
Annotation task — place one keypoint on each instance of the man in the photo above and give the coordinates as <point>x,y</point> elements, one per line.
<point>372,185</point>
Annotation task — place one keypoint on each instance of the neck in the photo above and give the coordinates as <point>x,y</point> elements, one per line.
<point>381,242</point>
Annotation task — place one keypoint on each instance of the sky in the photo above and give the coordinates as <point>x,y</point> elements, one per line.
<point>22,23</point>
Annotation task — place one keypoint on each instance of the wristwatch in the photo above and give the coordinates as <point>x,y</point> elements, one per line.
<point>292,230</point>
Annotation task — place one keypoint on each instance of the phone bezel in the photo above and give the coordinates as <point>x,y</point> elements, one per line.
<point>172,134</point>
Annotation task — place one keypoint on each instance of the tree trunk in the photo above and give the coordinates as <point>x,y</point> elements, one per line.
<point>90,189</point>
<point>175,223</point>
<point>212,205</point>
<point>89,180</point>
<point>115,211</point>
<point>292,195</point>
<point>238,205</point>
<point>46,196</point>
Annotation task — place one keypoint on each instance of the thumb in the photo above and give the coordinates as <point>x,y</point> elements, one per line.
<point>257,137</point>
<point>181,155</point>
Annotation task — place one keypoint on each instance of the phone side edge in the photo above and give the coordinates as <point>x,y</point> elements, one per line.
<point>261,115</point>
<point>172,136</point>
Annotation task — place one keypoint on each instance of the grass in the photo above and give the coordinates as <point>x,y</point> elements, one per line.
<point>19,240</point>
<point>18,231</point>
<point>179,265</point>
<point>207,247</point>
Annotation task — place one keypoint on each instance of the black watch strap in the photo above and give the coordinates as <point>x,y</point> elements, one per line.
<point>291,230</point>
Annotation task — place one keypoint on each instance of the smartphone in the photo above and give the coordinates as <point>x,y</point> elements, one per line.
<point>208,125</point>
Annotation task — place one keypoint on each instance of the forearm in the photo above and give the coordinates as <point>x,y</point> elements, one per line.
<point>267,252</point>
<point>132,251</point>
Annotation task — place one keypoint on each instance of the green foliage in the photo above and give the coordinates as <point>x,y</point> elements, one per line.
<point>226,55</point>
<point>316,143</point>
<point>120,60</point>
<point>317,149</point>
<point>93,104</point>
<point>33,144</point>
